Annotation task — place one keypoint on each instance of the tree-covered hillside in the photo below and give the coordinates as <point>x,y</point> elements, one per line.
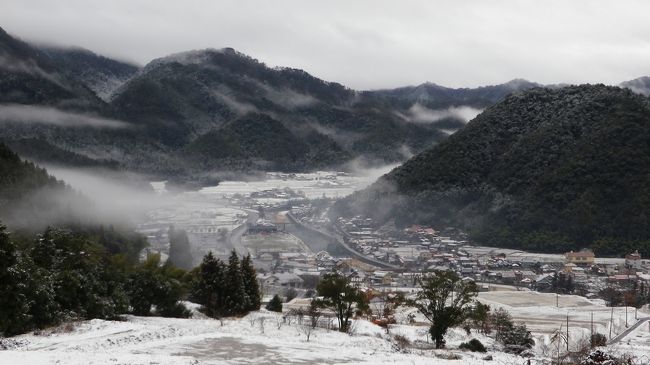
<point>19,178</point>
<point>28,76</point>
<point>101,74</point>
<point>545,170</point>
<point>260,142</point>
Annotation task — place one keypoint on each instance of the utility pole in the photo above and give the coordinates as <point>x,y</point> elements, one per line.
<point>611,322</point>
<point>567,332</point>
<point>557,299</point>
<point>591,339</point>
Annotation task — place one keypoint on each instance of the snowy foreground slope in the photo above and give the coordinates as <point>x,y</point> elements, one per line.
<point>263,338</point>
<point>155,340</point>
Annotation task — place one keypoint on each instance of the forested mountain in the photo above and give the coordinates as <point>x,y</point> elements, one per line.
<point>262,142</point>
<point>178,116</point>
<point>167,118</point>
<point>101,74</point>
<point>27,192</point>
<point>43,152</point>
<point>181,97</point>
<point>19,178</point>
<point>640,85</point>
<point>28,76</point>
<point>544,170</point>
<point>436,96</point>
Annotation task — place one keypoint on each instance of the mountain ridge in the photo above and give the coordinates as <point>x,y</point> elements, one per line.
<point>544,170</point>
<point>175,100</point>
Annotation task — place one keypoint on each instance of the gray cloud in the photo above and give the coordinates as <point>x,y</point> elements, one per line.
<point>366,44</point>
<point>421,114</point>
<point>18,113</point>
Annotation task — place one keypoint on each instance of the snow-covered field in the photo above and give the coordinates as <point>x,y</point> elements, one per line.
<point>254,339</point>
<point>313,185</point>
<point>263,338</point>
<point>542,316</point>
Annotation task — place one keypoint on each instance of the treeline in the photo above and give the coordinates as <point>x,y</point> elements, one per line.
<point>226,289</point>
<point>62,275</point>
<point>18,178</point>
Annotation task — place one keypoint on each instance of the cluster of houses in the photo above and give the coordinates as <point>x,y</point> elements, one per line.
<point>417,250</point>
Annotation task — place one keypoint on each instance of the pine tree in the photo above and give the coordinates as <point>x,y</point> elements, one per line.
<point>237,301</point>
<point>180,253</point>
<point>250,283</point>
<point>11,307</point>
<point>209,288</point>
<point>275,304</point>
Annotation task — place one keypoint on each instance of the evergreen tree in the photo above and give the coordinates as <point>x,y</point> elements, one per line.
<point>141,287</point>
<point>250,283</point>
<point>275,304</point>
<point>150,284</point>
<point>209,287</point>
<point>180,253</point>
<point>13,308</point>
<point>69,274</point>
<point>237,301</point>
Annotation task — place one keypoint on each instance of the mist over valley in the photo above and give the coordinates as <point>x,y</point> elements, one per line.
<point>290,183</point>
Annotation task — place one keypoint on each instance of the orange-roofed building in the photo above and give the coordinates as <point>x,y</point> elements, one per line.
<point>582,257</point>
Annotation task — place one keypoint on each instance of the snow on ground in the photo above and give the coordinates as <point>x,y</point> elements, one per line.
<point>314,185</point>
<point>637,343</point>
<point>544,313</point>
<point>259,338</point>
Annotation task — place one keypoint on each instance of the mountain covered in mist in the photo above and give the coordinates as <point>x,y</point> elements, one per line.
<point>435,96</point>
<point>41,151</point>
<point>26,190</point>
<point>180,115</point>
<point>166,118</point>
<point>182,97</point>
<point>544,170</point>
<point>260,138</point>
<point>101,74</point>
<point>28,76</point>
<point>640,85</point>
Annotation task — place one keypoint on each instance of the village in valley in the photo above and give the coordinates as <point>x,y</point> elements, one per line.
<point>282,222</point>
<point>386,257</point>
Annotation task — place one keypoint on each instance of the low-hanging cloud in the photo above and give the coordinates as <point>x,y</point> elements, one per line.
<point>421,114</point>
<point>27,66</point>
<point>18,113</point>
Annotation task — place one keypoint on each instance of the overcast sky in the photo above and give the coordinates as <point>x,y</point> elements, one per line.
<point>365,44</point>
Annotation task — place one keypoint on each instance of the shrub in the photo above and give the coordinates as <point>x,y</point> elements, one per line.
<point>275,305</point>
<point>401,342</point>
<point>598,339</point>
<point>473,345</point>
<point>599,357</point>
<point>517,339</point>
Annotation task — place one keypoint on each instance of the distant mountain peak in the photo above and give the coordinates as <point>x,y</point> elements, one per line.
<point>519,83</point>
<point>203,56</point>
<point>639,85</point>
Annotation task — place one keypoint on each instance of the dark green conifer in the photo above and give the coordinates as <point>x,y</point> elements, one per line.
<point>209,287</point>
<point>275,305</point>
<point>180,253</point>
<point>250,283</point>
<point>237,301</point>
